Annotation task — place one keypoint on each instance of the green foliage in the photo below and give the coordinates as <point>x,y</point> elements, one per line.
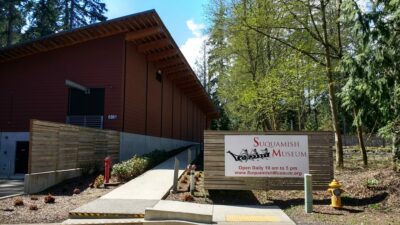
<point>130,169</point>
<point>156,157</point>
<point>23,20</point>
<point>372,182</point>
<point>99,181</point>
<point>137,165</point>
<point>263,84</point>
<point>373,66</point>
<point>44,19</point>
<point>89,168</point>
<point>13,15</point>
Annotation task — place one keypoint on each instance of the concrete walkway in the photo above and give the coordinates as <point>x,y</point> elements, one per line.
<point>217,214</point>
<point>11,188</point>
<point>131,199</point>
<point>139,202</point>
<point>185,213</point>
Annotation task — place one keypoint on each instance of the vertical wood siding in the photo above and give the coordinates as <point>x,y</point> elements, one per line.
<point>153,104</point>
<point>167,109</point>
<point>56,146</point>
<point>177,134</point>
<point>135,91</point>
<point>33,87</point>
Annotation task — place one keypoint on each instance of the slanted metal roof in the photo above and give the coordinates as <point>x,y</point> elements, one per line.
<point>146,31</point>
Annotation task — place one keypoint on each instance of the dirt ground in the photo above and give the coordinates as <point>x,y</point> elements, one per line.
<point>65,201</point>
<point>372,196</point>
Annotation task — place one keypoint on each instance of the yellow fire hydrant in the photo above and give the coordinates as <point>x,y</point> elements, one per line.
<point>336,191</point>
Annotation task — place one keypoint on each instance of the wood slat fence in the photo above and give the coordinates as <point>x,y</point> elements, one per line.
<point>320,164</point>
<point>56,146</point>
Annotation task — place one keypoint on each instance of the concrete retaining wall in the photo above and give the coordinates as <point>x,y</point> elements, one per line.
<point>37,182</point>
<point>8,142</point>
<point>136,144</point>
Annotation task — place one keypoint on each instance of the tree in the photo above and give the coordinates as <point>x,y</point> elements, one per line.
<point>77,13</point>
<point>262,84</point>
<point>44,19</point>
<point>202,68</point>
<point>12,19</point>
<point>296,21</point>
<point>373,64</point>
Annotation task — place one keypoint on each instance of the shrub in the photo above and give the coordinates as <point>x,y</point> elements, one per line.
<point>34,198</point>
<point>98,181</point>
<point>18,202</point>
<point>130,169</point>
<point>187,198</point>
<point>156,157</point>
<point>90,168</point>
<point>77,191</point>
<point>49,199</point>
<point>33,207</point>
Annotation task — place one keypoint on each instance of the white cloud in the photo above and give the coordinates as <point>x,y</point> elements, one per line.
<point>192,47</point>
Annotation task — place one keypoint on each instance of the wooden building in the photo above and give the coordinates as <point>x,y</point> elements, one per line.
<point>125,74</point>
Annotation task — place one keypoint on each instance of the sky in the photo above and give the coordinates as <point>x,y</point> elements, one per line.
<point>185,20</point>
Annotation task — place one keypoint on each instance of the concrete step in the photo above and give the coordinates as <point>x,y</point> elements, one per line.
<point>112,208</point>
<point>181,211</point>
<point>103,221</point>
<point>126,222</point>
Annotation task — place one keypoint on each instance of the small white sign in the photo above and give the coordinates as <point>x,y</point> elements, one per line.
<point>112,117</point>
<point>266,155</point>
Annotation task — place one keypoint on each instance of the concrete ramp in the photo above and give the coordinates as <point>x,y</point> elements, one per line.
<point>181,211</point>
<point>216,214</point>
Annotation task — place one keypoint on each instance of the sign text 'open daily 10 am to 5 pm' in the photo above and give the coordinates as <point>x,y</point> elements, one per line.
<point>266,155</point>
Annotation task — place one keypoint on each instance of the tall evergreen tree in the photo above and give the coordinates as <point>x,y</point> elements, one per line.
<point>12,20</point>
<point>44,19</point>
<point>373,66</point>
<point>77,13</point>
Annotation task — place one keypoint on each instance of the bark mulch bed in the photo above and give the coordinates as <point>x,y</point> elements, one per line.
<point>372,196</point>
<point>65,201</point>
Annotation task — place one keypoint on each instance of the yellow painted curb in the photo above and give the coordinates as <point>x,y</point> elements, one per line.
<point>106,215</point>
<point>251,218</point>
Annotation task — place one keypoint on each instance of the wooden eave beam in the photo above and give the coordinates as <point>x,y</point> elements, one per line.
<point>153,45</point>
<point>161,55</point>
<point>185,82</point>
<point>168,63</point>
<point>138,34</point>
<point>176,69</point>
<point>196,95</point>
<point>180,76</point>
<point>189,85</point>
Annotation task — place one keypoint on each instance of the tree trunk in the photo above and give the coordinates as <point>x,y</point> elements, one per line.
<point>361,141</point>
<point>331,90</point>
<point>10,24</point>
<point>395,149</point>
<point>71,15</point>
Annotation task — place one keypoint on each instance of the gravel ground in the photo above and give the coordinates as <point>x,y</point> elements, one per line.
<point>372,195</point>
<point>57,212</point>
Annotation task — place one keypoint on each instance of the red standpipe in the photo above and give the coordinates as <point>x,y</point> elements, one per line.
<point>107,167</point>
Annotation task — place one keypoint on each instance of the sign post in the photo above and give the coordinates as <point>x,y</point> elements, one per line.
<point>308,198</point>
<point>176,170</point>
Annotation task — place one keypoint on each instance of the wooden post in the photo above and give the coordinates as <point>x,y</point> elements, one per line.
<point>176,171</point>
<point>189,156</point>
<point>191,182</point>
<point>308,198</point>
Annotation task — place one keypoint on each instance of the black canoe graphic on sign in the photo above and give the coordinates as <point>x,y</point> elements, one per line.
<point>245,156</point>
